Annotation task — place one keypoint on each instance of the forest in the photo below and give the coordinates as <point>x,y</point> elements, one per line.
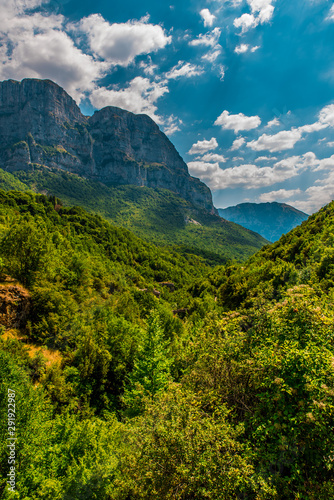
<point>144,372</point>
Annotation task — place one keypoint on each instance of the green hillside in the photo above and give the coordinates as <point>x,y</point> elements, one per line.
<point>157,215</point>
<point>141,373</point>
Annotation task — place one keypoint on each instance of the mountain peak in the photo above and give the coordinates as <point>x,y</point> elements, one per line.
<point>271,219</point>
<point>40,123</point>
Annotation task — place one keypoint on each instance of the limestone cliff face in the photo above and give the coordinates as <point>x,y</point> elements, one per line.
<point>40,123</point>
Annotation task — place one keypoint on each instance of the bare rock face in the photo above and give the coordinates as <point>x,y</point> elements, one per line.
<point>40,123</point>
<point>14,306</point>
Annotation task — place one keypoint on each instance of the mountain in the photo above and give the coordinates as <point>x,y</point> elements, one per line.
<point>114,163</point>
<point>271,220</point>
<point>41,124</point>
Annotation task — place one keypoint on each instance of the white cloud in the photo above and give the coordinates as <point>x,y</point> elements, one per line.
<point>281,194</point>
<point>278,142</point>
<point>53,55</point>
<point>286,139</point>
<point>330,16</point>
<point>255,48</point>
<point>249,176</point>
<point>242,48</point>
<point>213,157</point>
<point>139,97</point>
<point>324,164</point>
<point>222,71</point>
<point>243,176</point>
<point>245,22</point>
<point>184,70</point>
<point>273,123</point>
<point>237,143</point>
<point>121,43</point>
<point>330,144</point>
<point>318,195</point>
<point>212,55</point>
<point>208,39</point>
<point>203,146</point>
<point>263,8</point>
<point>36,45</point>
<point>261,12</point>
<point>237,122</point>
<point>172,125</point>
<point>266,158</point>
<point>207,17</point>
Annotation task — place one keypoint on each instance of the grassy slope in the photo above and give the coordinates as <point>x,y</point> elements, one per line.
<point>156,215</point>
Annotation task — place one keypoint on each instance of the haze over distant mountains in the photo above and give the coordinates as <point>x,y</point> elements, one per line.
<point>271,220</point>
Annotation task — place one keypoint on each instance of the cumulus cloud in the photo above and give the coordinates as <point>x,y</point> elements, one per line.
<point>281,194</point>
<point>237,122</point>
<point>266,158</point>
<point>213,157</point>
<point>242,48</point>
<point>318,195</point>
<point>37,45</point>
<point>208,39</point>
<point>53,55</point>
<point>172,125</point>
<point>273,123</point>
<point>182,69</point>
<point>250,176</point>
<point>139,97</point>
<point>263,8</point>
<point>202,147</point>
<point>261,12</point>
<point>237,143</point>
<point>246,176</point>
<point>245,22</point>
<point>278,142</point>
<point>207,17</point>
<point>120,43</point>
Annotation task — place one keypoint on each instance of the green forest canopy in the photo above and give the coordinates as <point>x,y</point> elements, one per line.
<point>174,380</point>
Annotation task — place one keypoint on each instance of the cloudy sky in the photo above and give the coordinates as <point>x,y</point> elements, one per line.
<point>243,88</point>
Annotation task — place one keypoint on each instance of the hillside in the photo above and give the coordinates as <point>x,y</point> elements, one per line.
<point>157,215</point>
<point>304,256</point>
<point>140,373</point>
<point>271,220</point>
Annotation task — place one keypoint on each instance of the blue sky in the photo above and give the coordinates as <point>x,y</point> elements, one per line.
<point>243,88</point>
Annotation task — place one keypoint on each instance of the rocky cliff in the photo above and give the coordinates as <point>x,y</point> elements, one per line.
<point>41,124</point>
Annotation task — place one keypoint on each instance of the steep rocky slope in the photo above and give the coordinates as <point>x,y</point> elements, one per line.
<point>41,124</point>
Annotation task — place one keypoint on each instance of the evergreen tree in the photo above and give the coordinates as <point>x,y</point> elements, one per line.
<point>151,372</point>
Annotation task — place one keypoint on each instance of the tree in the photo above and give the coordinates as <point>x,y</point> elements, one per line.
<point>151,372</point>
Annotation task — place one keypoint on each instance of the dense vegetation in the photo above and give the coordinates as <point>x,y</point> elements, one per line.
<point>221,387</point>
<point>157,215</point>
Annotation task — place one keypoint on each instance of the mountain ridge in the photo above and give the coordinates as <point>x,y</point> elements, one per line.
<point>41,124</point>
<point>271,219</point>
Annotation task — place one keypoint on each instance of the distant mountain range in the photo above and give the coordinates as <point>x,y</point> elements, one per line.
<point>271,220</point>
<point>114,163</point>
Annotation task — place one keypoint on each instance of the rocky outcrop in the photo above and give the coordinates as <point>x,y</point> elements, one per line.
<point>40,123</point>
<point>14,306</point>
